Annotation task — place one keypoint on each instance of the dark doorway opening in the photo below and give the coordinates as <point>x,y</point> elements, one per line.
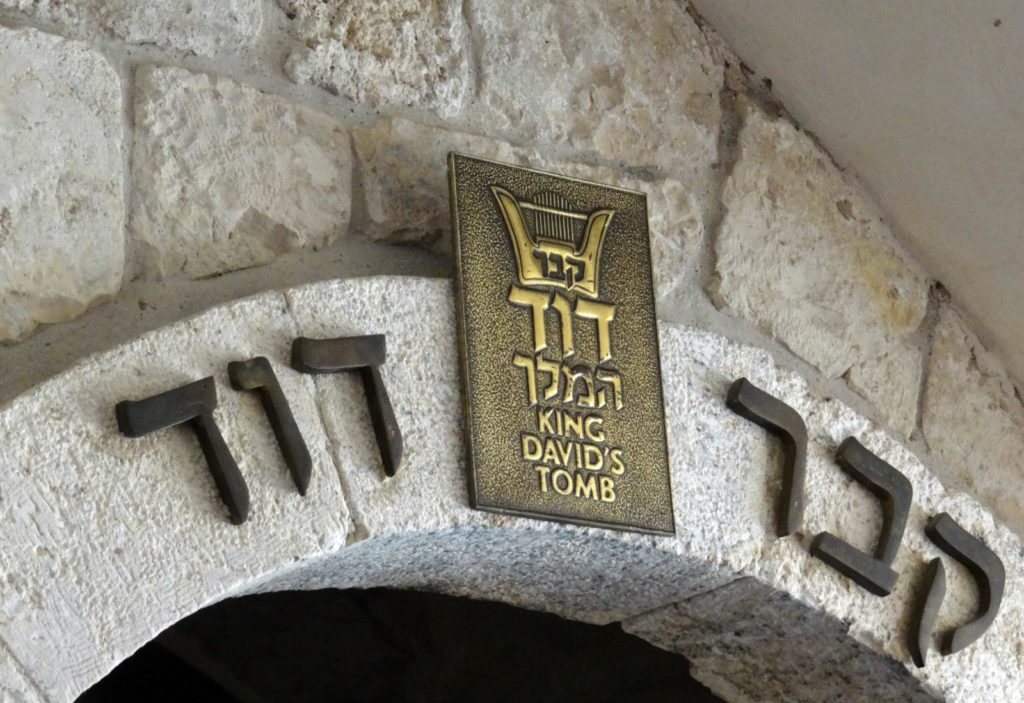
<point>392,647</point>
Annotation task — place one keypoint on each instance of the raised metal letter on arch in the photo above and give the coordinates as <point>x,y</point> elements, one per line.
<point>559,348</point>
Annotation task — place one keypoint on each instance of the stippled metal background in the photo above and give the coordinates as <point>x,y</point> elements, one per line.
<point>492,330</point>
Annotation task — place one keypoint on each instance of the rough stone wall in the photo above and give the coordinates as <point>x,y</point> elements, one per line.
<point>164,156</point>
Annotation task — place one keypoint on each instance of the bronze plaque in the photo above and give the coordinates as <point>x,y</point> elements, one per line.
<point>560,363</point>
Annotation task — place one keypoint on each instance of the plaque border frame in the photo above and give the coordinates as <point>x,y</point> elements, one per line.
<point>464,362</point>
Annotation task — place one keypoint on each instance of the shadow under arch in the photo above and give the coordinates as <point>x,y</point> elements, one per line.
<point>392,646</point>
<point>741,634</point>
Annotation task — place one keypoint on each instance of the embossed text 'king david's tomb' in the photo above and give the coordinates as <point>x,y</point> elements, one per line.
<point>559,348</point>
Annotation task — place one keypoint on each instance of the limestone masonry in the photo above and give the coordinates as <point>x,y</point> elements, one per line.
<point>156,151</point>
<point>151,549</point>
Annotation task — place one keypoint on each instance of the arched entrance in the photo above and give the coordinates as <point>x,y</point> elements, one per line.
<point>113,539</point>
<point>392,646</point>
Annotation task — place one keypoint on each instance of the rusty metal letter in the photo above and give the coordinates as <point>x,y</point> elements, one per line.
<point>258,375</point>
<point>894,492</point>
<point>748,401</point>
<point>193,403</point>
<point>365,354</point>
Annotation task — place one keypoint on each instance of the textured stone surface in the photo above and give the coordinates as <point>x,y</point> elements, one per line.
<point>741,476</point>
<point>68,478</point>
<point>383,54</point>
<point>973,419</point>
<point>803,254</point>
<point>677,228</point>
<point>718,686</point>
<point>197,27</point>
<point>109,539</point>
<point>402,164</point>
<point>771,648</point>
<point>725,483</point>
<point>526,562</point>
<point>227,177</point>
<point>893,383</point>
<point>14,687</point>
<point>632,81</point>
<point>61,203</point>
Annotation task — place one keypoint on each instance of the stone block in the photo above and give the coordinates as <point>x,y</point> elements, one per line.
<point>61,200</point>
<point>403,170</point>
<point>389,54</point>
<point>227,177</point>
<point>803,254</point>
<point>417,527</point>
<point>892,383</point>
<point>632,81</point>
<point>974,420</point>
<point>404,165</point>
<point>110,539</point>
<point>768,647</point>
<point>203,28</point>
<point>14,687</point>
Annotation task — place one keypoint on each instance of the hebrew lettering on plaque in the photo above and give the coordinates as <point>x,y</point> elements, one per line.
<point>560,349</point>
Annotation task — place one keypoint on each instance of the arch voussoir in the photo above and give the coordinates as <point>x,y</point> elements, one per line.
<point>111,539</point>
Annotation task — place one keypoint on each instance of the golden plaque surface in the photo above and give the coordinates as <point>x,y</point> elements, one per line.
<point>559,348</point>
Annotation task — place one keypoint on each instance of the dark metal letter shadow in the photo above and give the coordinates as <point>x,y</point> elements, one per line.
<point>365,354</point>
<point>895,493</point>
<point>748,401</point>
<point>258,375</point>
<point>192,403</point>
<point>986,568</point>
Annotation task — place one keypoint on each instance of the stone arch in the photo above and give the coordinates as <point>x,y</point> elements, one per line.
<point>109,539</point>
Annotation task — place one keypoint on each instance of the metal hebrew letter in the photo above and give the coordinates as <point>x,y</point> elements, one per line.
<point>575,270</point>
<point>538,303</point>
<point>258,375</point>
<point>192,403</point>
<point>365,354</point>
<point>554,371</point>
<point>748,401</point>
<point>561,306</point>
<point>602,314</point>
<point>935,577</point>
<point>894,492</point>
<point>528,364</point>
<point>572,375</point>
<point>986,568</point>
<point>614,379</point>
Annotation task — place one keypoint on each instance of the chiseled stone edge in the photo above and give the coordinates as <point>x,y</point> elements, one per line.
<point>15,685</point>
<point>62,213</point>
<point>723,492</point>
<point>767,646</point>
<point>171,25</point>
